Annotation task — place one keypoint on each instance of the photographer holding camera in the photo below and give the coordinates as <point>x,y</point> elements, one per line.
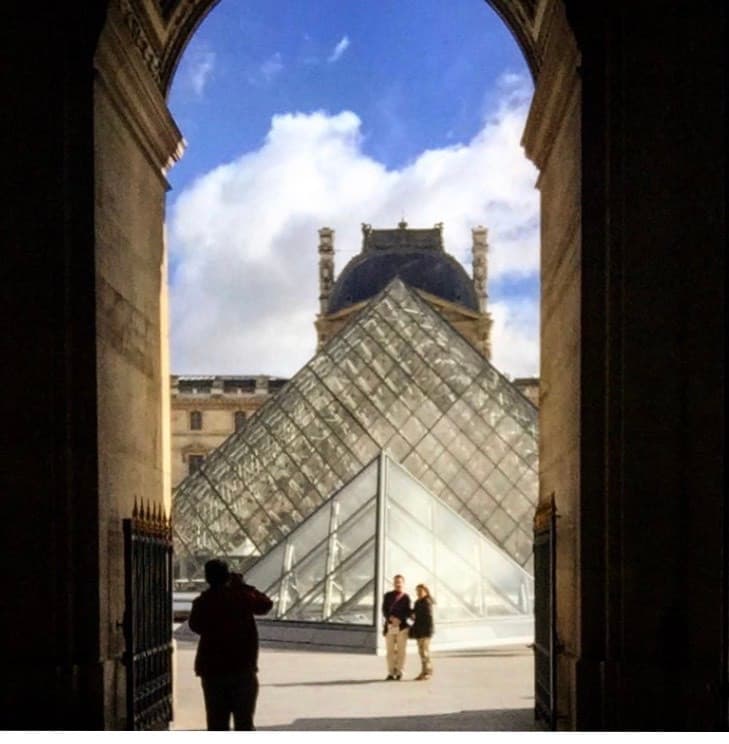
<point>227,653</point>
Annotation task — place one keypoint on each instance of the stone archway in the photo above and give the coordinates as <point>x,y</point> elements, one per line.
<point>629,138</point>
<point>136,59</point>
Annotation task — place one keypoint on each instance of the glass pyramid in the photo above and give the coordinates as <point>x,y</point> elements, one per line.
<point>399,377</point>
<point>334,567</point>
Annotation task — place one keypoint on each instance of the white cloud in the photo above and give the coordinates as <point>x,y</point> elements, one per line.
<point>510,81</point>
<point>198,70</point>
<point>244,236</point>
<point>267,71</point>
<point>339,49</point>
<point>515,336</point>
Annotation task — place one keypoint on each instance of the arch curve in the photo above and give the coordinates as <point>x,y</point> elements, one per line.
<point>182,18</point>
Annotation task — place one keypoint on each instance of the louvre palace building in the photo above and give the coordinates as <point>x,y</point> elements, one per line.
<point>206,409</point>
<point>398,448</point>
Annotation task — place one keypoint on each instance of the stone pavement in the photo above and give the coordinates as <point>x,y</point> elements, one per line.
<point>475,690</point>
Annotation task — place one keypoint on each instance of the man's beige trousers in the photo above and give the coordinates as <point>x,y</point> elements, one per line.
<point>397,645</point>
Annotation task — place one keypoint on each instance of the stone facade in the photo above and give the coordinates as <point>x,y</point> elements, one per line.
<point>206,410</point>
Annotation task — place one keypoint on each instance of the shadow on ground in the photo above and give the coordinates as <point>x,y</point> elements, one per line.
<point>520,719</point>
<point>317,683</point>
<point>494,653</point>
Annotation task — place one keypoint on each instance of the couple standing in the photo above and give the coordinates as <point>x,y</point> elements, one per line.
<point>397,611</point>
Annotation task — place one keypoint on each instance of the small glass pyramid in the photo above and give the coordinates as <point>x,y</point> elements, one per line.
<point>334,567</point>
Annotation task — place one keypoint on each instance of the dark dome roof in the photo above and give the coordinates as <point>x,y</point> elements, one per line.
<point>416,256</point>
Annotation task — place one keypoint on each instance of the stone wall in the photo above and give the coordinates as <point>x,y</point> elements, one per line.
<point>135,139</point>
<point>552,141</point>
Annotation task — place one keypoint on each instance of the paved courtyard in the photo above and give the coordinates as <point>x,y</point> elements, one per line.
<point>475,690</point>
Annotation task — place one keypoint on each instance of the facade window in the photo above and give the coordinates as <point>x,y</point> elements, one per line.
<point>194,387</point>
<point>195,420</point>
<point>239,419</point>
<point>194,462</point>
<point>240,385</point>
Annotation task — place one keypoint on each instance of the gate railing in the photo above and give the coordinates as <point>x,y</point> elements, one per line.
<point>545,639</point>
<point>148,619</point>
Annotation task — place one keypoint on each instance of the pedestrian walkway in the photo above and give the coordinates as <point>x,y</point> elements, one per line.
<point>476,690</point>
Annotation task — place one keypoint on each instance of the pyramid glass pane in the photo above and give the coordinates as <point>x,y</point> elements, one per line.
<point>324,569</point>
<point>473,580</point>
<point>398,376</point>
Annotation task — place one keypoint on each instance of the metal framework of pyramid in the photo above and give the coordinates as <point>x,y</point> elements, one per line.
<point>398,377</point>
<point>328,576</point>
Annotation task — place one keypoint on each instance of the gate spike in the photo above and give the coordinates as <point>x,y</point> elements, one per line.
<point>135,511</point>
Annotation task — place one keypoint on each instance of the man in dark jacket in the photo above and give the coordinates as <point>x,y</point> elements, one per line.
<point>396,610</point>
<point>227,653</point>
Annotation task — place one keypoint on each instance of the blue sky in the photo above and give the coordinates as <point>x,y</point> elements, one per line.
<point>301,113</point>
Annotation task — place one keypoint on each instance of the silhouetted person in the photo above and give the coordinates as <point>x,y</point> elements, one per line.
<point>227,653</point>
<point>396,610</point>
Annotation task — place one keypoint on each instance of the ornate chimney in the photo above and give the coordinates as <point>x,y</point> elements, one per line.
<point>326,267</point>
<point>480,266</point>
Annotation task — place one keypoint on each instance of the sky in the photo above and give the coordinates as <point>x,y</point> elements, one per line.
<point>301,114</point>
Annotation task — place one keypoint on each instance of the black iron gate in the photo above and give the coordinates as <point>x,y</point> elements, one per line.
<point>148,619</point>
<point>545,642</point>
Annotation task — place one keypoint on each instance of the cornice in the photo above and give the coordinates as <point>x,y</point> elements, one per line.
<point>146,36</point>
<point>343,314</point>
<point>557,85</point>
<point>454,307</point>
<point>124,72</point>
<point>219,404</point>
<point>195,449</point>
<point>518,17</point>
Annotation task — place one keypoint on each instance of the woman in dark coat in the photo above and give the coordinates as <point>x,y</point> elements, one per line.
<point>422,629</point>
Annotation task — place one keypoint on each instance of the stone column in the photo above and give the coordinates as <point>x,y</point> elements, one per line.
<point>480,265</point>
<point>552,141</point>
<point>326,267</point>
<point>135,141</point>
